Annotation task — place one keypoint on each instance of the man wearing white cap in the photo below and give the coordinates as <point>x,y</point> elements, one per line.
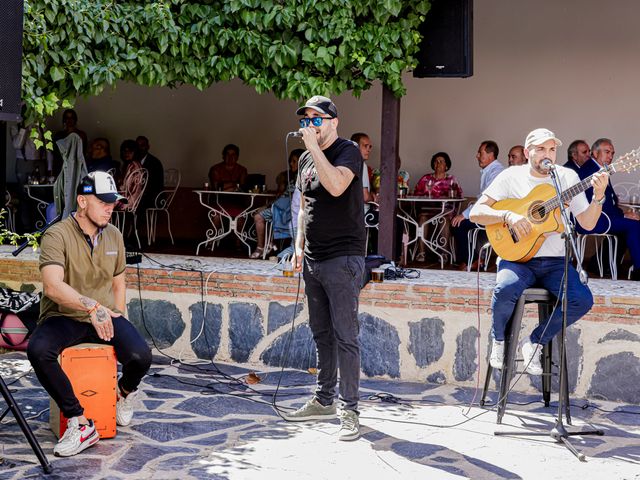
<point>82,262</point>
<point>546,268</point>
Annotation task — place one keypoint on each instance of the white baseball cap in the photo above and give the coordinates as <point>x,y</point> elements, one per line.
<point>102,185</point>
<point>539,136</point>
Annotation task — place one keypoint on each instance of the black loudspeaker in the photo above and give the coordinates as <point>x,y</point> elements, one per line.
<point>10,59</point>
<point>447,44</point>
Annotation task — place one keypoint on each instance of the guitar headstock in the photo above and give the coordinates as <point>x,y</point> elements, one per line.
<point>626,163</point>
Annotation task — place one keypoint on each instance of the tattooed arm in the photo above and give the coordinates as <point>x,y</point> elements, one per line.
<point>64,295</point>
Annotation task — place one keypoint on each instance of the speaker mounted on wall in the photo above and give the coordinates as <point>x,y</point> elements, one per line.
<point>446,49</point>
<point>10,59</point>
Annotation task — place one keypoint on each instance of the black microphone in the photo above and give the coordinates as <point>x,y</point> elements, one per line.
<point>547,164</point>
<point>294,134</point>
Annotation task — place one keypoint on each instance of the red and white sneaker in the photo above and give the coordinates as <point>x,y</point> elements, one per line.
<point>76,438</point>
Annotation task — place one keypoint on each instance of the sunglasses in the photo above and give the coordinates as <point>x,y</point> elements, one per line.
<point>315,121</point>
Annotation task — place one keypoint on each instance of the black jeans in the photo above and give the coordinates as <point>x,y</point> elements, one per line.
<point>57,333</point>
<point>332,288</point>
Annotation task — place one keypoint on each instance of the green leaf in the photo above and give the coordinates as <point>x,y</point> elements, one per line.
<point>56,73</point>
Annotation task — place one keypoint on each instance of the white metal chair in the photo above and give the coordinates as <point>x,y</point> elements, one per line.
<point>486,250</point>
<point>162,203</point>
<point>371,222</point>
<point>599,239</point>
<point>134,186</point>
<point>627,190</point>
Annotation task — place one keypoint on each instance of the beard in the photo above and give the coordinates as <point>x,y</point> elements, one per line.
<point>97,221</point>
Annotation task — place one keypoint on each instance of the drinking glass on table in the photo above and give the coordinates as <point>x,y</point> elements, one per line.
<point>429,187</point>
<point>453,190</point>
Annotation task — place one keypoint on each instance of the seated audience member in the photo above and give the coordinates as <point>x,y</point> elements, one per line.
<point>364,144</point>
<point>228,174</point>
<point>438,184</point>
<point>155,178</point>
<point>487,158</point>
<point>130,165</point>
<point>516,156</point>
<point>69,125</point>
<point>100,158</point>
<point>615,221</point>
<point>280,212</point>
<point>82,263</point>
<point>578,154</point>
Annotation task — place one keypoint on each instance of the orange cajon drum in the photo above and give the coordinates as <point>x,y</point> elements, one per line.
<point>92,370</point>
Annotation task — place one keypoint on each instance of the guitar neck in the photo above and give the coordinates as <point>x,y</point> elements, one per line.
<point>576,189</point>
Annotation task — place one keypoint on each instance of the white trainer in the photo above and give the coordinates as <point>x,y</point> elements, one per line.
<point>497,354</point>
<point>531,357</point>
<point>124,407</point>
<point>76,438</point>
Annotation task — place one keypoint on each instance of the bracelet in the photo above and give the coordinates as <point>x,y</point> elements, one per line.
<point>94,308</point>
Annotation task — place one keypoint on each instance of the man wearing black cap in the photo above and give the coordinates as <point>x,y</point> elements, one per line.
<point>331,237</point>
<point>82,261</point>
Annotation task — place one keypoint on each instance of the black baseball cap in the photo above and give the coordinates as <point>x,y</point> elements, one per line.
<point>102,185</point>
<point>321,105</point>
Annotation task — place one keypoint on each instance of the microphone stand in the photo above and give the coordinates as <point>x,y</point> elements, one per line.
<point>24,245</point>
<point>559,432</point>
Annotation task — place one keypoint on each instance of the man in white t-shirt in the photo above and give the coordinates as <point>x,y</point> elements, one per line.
<point>546,268</point>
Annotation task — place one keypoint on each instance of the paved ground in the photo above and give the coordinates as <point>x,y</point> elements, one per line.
<point>204,422</point>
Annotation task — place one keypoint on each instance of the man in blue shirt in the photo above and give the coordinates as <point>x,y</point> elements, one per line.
<point>487,157</point>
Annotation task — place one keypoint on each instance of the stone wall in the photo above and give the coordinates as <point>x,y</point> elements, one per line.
<point>432,329</point>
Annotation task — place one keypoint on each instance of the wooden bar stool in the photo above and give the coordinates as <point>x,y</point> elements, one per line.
<point>545,303</point>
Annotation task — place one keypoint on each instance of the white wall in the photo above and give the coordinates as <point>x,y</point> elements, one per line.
<point>571,66</point>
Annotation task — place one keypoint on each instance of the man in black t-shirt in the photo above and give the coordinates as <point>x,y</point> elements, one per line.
<point>331,237</point>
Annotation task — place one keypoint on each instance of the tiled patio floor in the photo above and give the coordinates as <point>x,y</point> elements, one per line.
<point>194,423</point>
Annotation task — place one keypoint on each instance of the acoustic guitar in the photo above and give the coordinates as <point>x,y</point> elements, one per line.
<point>541,208</point>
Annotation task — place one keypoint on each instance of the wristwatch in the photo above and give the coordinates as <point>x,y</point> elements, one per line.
<point>600,202</point>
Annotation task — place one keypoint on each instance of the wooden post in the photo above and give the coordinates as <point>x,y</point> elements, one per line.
<point>389,140</point>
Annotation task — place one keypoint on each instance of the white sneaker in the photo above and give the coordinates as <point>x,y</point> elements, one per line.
<point>76,438</point>
<point>124,407</point>
<point>349,426</point>
<point>531,355</point>
<point>497,354</point>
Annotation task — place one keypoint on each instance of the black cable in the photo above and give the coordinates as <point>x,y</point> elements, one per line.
<point>230,380</point>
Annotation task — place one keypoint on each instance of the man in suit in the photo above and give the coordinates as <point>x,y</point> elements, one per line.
<point>625,225</point>
<point>578,154</point>
<point>155,180</point>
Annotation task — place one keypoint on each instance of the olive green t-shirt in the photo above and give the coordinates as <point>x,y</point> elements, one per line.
<point>89,270</point>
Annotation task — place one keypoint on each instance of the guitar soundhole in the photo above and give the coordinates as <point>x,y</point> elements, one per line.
<point>537,212</point>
